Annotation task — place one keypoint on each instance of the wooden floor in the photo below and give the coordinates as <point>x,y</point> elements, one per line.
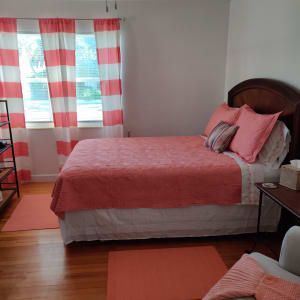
<point>36,264</point>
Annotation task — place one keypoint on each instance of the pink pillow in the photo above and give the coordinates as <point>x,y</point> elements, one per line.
<point>222,113</point>
<point>254,130</point>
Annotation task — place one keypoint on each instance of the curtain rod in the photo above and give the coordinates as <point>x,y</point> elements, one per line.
<point>79,19</point>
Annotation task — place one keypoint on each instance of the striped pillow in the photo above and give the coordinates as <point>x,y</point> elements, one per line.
<point>220,137</point>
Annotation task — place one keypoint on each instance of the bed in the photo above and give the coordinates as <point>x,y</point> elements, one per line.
<point>169,194</point>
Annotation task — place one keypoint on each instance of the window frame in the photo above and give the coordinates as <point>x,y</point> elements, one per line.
<point>49,123</point>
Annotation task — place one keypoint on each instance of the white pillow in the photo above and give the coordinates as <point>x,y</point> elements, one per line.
<point>276,147</point>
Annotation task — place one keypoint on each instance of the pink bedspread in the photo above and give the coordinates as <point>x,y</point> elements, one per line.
<point>155,172</point>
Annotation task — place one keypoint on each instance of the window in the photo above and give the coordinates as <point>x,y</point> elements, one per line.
<point>34,79</point>
<point>89,105</point>
<point>35,84</point>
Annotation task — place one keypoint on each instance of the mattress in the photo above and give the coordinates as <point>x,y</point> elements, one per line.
<point>192,221</point>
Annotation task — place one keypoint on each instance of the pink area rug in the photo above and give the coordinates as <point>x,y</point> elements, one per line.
<point>163,274</point>
<point>32,212</point>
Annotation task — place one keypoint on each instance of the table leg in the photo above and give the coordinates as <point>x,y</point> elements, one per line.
<point>258,223</point>
<point>259,214</point>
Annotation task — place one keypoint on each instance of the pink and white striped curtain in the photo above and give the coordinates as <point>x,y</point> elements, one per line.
<point>107,32</point>
<point>11,89</point>
<point>58,36</point>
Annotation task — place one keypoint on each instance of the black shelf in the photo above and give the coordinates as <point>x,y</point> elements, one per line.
<point>7,166</point>
<point>7,195</point>
<point>2,150</point>
<point>5,172</point>
<point>3,123</point>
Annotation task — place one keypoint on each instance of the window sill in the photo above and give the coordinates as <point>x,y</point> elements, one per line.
<point>49,125</point>
<point>39,125</point>
<point>90,124</point>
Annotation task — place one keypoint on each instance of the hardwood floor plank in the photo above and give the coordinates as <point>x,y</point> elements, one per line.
<point>36,264</point>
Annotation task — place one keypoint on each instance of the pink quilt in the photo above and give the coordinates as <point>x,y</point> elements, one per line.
<point>247,279</point>
<point>155,172</point>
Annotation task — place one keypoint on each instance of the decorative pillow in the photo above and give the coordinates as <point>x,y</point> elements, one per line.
<point>276,147</point>
<point>220,137</point>
<point>254,130</point>
<point>222,113</point>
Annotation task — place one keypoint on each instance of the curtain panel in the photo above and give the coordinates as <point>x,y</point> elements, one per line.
<point>11,89</point>
<point>58,36</point>
<point>107,33</point>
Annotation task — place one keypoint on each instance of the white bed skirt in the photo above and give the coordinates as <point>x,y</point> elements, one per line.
<point>145,223</point>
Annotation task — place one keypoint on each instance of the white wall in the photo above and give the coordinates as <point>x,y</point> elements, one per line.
<point>175,65</point>
<point>263,41</point>
<point>174,55</point>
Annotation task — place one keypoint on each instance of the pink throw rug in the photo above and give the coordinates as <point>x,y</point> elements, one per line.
<point>32,212</point>
<point>163,274</point>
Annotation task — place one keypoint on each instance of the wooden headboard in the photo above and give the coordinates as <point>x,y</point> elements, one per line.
<point>268,96</point>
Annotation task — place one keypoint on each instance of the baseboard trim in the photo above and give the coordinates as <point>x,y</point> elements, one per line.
<point>43,177</point>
